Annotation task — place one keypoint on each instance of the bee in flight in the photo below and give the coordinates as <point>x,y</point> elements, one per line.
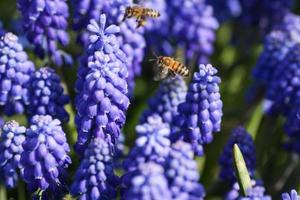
<point>140,13</point>
<point>168,67</point>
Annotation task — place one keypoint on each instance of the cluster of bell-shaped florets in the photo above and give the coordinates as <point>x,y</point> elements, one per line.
<point>45,156</point>
<point>102,99</point>
<point>15,72</point>
<point>11,140</point>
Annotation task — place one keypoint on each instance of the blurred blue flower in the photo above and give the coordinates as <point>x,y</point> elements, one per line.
<point>226,9</point>
<point>12,138</point>
<point>45,23</point>
<point>45,156</point>
<point>152,143</point>
<point>170,94</point>
<point>131,40</point>
<point>2,31</point>
<point>256,192</point>
<point>47,95</point>
<point>95,177</point>
<point>15,71</point>
<point>146,182</point>
<point>245,142</point>
<point>182,173</point>
<point>292,196</point>
<point>102,99</point>
<point>201,113</point>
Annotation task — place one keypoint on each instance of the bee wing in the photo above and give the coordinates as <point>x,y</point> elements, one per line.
<point>160,73</point>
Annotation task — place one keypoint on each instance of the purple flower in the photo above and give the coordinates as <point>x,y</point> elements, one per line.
<point>182,173</point>
<point>45,156</point>
<point>245,142</point>
<point>200,115</point>
<point>146,182</point>
<point>292,196</point>
<point>164,103</point>
<point>152,143</point>
<point>12,137</point>
<point>102,88</point>
<point>45,23</point>
<point>131,40</point>
<point>226,9</point>
<point>95,178</point>
<point>15,71</point>
<point>47,95</point>
<point>256,192</point>
<point>191,25</point>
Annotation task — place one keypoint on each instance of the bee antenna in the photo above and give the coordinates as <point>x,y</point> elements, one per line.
<point>153,52</point>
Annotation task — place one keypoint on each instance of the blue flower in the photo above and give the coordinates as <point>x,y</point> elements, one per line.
<point>182,173</point>
<point>131,40</point>
<point>12,138</point>
<point>244,140</point>
<point>146,182</point>
<point>256,192</point>
<point>45,156</point>
<point>45,23</point>
<point>152,143</point>
<point>164,103</point>
<point>15,71</point>
<point>226,9</point>
<point>201,113</point>
<point>102,99</point>
<point>2,31</point>
<point>95,178</point>
<point>292,196</point>
<point>47,95</point>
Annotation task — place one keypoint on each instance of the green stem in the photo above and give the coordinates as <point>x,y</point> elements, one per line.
<point>241,170</point>
<point>21,191</point>
<point>3,194</point>
<point>255,121</point>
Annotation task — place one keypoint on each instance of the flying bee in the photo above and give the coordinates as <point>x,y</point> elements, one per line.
<point>168,67</point>
<point>140,13</point>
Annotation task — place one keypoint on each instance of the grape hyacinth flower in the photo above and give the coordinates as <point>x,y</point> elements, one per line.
<point>47,95</point>
<point>15,71</point>
<point>12,137</point>
<point>182,173</point>
<point>256,192</point>
<point>169,95</point>
<point>131,40</point>
<point>146,182</point>
<point>284,89</point>
<point>95,178</point>
<point>192,25</point>
<point>45,156</point>
<point>292,196</point>
<point>45,23</point>
<point>152,143</point>
<point>201,113</point>
<point>245,142</point>
<point>227,9</point>
<point>102,88</point>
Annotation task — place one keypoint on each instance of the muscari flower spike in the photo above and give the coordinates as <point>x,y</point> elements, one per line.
<point>284,90</point>
<point>192,25</point>
<point>169,95</point>
<point>201,113</point>
<point>95,178</point>
<point>45,156</point>
<point>146,182</point>
<point>256,192</point>
<point>152,143</point>
<point>131,40</point>
<point>245,142</point>
<point>47,95</point>
<point>182,173</point>
<point>225,10</point>
<point>15,71</point>
<point>102,88</point>
<point>292,196</point>
<point>11,140</point>
<point>45,23</point>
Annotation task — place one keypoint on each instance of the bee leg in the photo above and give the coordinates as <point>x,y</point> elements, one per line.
<point>171,73</point>
<point>141,22</point>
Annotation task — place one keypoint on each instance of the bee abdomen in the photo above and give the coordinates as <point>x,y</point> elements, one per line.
<point>183,70</point>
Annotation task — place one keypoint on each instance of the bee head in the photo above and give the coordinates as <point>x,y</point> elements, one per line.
<point>129,12</point>
<point>160,60</point>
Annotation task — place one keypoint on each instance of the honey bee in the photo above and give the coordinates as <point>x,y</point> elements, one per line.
<point>168,67</point>
<point>140,13</point>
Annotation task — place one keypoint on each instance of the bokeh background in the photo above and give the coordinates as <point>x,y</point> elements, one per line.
<point>236,52</point>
